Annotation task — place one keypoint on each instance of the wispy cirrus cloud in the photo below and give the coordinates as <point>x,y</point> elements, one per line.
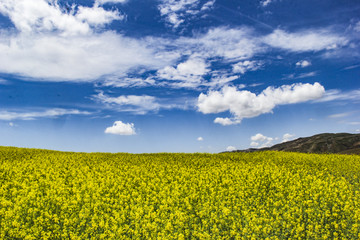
<point>129,103</point>
<point>177,12</point>
<point>101,2</point>
<point>141,104</point>
<point>32,115</point>
<point>306,40</point>
<point>300,75</point>
<point>338,95</point>
<point>340,115</point>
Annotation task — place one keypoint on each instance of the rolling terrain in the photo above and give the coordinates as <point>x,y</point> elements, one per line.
<point>341,143</point>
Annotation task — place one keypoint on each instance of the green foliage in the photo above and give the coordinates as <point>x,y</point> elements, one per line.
<point>265,195</point>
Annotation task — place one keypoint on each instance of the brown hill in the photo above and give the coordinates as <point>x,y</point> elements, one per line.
<point>343,143</point>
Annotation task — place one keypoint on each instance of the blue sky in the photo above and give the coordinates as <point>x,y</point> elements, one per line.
<point>176,76</point>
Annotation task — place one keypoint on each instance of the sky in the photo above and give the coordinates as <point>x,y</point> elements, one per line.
<point>145,76</point>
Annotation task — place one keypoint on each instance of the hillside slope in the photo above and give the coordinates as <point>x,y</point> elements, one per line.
<point>343,143</point>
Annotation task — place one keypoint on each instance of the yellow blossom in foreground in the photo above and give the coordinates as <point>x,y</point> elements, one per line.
<point>267,195</point>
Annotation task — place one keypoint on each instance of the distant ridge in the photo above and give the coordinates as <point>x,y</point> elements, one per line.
<point>342,143</point>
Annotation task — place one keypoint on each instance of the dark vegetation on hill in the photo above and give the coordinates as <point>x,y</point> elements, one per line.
<point>342,143</point>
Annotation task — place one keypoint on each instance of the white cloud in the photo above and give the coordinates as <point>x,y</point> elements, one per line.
<point>97,15</point>
<point>175,11</point>
<point>130,103</point>
<point>337,95</point>
<point>143,104</point>
<point>123,82</point>
<point>301,75</point>
<point>11,124</point>
<point>230,148</point>
<point>208,5</point>
<point>287,137</point>
<point>120,128</point>
<point>230,44</point>
<point>245,104</point>
<point>3,81</point>
<point>357,27</point>
<point>303,63</point>
<point>200,139</point>
<point>219,80</point>
<point>57,45</point>
<point>302,41</point>
<point>305,75</point>
<point>340,115</point>
<point>191,70</point>
<point>41,15</point>
<point>31,16</point>
<point>226,121</point>
<point>244,66</point>
<point>259,138</point>
<point>50,113</point>
<point>101,2</point>
<point>80,58</point>
<point>352,67</point>
<point>266,2</point>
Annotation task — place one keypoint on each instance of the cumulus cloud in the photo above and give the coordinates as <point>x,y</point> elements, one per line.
<point>230,148</point>
<point>307,40</point>
<point>120,128</point>
<point>49,113</point>
<point>287,137</point>
<point>227,121</point>
<point>130,103</point>
<point>245,104</point>
<point>303,63</point>
<point>200,139</point>
<point>259,138</point>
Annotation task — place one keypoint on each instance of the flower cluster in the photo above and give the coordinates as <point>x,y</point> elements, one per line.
<point>267,195</point>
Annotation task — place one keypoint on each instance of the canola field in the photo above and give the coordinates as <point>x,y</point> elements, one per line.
<point>267,195</point>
